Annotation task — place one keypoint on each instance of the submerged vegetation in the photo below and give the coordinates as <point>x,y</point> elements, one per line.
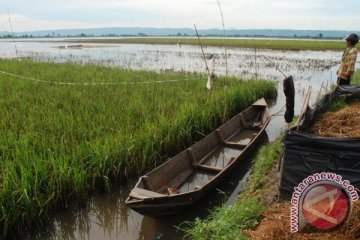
<point>276,44</point>
<point>228,222</point>
<point>59,142</point>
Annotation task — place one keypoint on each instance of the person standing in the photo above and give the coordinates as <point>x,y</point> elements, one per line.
<point>348,60</point>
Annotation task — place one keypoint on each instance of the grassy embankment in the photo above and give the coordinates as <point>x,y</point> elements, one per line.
<point>285,44</point>
<point>60,142</point>
<point>228,222</point>
<point>341,103</point>
<point>356,78</point>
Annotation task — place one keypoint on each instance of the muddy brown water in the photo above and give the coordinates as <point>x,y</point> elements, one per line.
<point>106,216</point>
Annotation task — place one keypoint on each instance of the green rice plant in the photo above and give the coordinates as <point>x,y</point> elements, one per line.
<point>278,44</point>
<point>58,143</point>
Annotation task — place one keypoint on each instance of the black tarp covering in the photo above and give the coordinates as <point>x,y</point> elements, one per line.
<point>306,154</point>
<point>347,92</point>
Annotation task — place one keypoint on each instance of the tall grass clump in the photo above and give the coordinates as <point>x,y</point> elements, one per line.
<point>356,78</point>
<point>60,142</point>
<point>338,104</point>
<point>226,222</point>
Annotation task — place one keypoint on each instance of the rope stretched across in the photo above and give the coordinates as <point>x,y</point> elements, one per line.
<point>94,84</point>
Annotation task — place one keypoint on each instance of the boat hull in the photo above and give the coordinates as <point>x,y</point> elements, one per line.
<point>224,144</point>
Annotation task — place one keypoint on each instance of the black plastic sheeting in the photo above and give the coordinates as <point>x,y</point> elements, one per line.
<point>306,154</point>
<point>347,92</point>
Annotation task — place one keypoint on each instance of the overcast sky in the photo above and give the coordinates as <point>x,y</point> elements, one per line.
<point>29,15</point>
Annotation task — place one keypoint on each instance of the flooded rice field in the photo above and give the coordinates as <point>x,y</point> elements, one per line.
<point>246,62</point>
<point>106,216</point>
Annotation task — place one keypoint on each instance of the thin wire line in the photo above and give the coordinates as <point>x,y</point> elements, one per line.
<point>94,84</point>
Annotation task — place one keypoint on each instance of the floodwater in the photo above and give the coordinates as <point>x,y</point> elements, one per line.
<point>245,62</point>
<point>106,216</point>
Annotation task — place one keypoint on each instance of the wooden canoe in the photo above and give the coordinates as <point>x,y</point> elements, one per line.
<point>184,179</point>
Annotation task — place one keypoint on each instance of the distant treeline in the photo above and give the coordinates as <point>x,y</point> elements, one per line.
<point>83,35</point>
<point>180,32</point>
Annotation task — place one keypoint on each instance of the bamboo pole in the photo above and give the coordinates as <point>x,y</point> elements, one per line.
<point>223,24</point>
<point>305,104</point>
<point>318,97</point>
<point>202,50</point>
<point>12,32</point>
<point>256,75</point>
<point>277,68</point>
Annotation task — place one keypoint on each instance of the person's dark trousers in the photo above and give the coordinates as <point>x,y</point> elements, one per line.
<point>342,81</point>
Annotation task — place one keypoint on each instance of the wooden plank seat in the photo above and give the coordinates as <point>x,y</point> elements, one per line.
<point>196,164</point>
<point>229,144</point>
<point>209,168</point>
<point>234,145</point>
<point>140,193</point>
<point>257,124</point>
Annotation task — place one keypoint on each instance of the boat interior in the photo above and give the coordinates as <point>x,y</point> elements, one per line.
<point>194,167</point>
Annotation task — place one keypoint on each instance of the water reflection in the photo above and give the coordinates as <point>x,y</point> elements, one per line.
<point>102,217</point>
